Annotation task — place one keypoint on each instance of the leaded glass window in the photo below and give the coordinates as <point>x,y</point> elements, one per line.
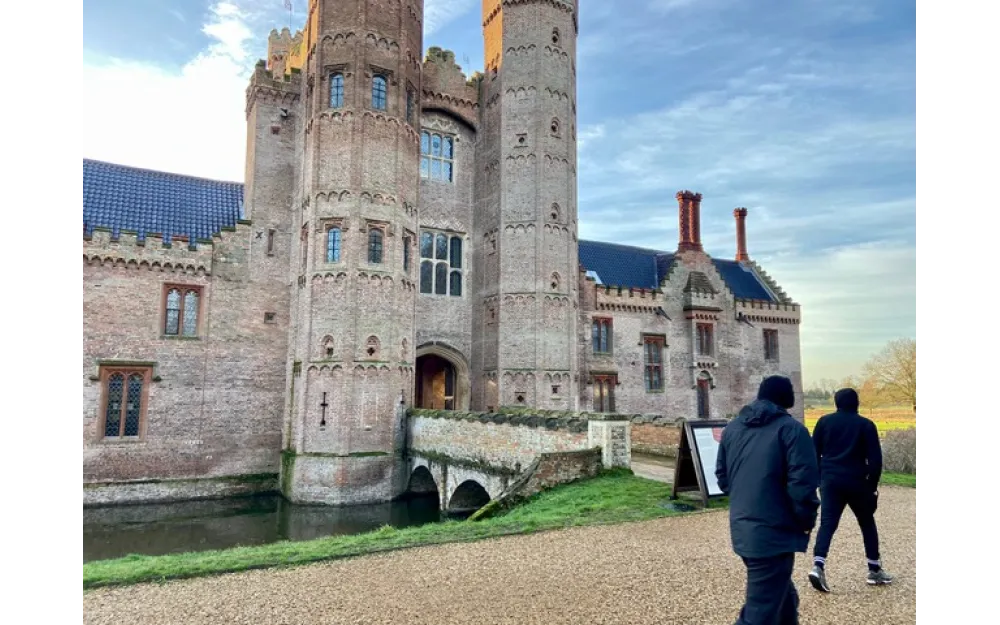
<point>375,246</point>
<point>379,93</point>
<point>336,91</point>
<point>124,401</point>
<point>437,156</point>
<point>333,245</point>
<point>441,263</point>
<point>181,311</point>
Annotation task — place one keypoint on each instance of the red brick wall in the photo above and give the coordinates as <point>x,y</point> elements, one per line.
<point>655,439</point>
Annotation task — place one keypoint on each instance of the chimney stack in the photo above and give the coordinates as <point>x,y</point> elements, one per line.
<point>741,235</point>
<point>689,205</point>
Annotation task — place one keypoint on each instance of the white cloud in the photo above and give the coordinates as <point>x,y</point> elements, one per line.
<point>440,13</point>
<point>191,121</point>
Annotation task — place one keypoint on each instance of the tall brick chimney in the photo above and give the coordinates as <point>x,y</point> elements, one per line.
<point>689,205</point>
<point>741,234</point>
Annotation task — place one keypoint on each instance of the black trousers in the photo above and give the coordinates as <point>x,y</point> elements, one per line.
<point>771,595</point>
<point>863,503</point>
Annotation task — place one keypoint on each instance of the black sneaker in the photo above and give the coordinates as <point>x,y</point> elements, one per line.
<point>817,577</point>
<point>879,578</point>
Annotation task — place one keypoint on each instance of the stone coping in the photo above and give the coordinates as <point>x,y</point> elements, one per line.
<point>548,419</point>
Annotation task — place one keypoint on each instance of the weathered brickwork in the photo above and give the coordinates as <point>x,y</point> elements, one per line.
<point>321,307</point>
<point>658,439</point>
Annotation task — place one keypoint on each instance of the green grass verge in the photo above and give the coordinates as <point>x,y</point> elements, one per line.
<point>614,497</point>
<point>899,479</point>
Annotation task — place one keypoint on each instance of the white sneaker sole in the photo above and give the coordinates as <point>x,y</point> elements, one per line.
<point>872,582</point>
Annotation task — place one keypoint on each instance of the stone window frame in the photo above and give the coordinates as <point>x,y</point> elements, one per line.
<point>408,238</point>
<point>772,351</point>
<point>451,269</point>
<point>183,290</point>
<point>304,248</point>
<point>607,324</point>
<point>412,104</point>
<point>383,228</point>
<point>375,72</point>
<point>430,158</point>
<point>603,395</point>
<point>704,339</point>
<point>329,71</point>
<point>127,370</point>
<point>325,227</point>
<point>647,366</point>
<point>703,398</point>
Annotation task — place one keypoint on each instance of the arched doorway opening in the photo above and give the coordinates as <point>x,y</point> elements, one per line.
<point>704,386</point>
<point>442,378</point>
<point>435,383</point>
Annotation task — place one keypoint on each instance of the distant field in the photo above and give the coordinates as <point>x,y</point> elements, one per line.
<point>888,418</point>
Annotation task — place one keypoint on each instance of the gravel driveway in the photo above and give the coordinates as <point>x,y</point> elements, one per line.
<point>675,570</point>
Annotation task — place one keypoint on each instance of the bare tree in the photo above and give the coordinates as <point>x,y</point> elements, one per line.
<point>893,371</point>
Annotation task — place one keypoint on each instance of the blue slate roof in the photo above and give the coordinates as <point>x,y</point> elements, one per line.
<point>637,267</point>
<point>148,202</point>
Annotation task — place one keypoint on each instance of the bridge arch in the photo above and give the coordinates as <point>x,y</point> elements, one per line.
<point>422,482</point>
<point>442,377</point>
<point>468,497</point>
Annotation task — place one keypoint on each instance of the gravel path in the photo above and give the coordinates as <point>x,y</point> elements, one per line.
<point>677,570</point>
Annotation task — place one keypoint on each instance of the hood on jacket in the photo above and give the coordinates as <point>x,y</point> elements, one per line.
<point>846,400</point>
<point>759,413</point>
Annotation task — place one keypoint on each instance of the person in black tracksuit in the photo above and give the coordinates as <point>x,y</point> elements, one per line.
<point>850,461</point>
<point>767,465</point>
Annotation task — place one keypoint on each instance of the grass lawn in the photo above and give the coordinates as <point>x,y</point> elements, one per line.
<point>885,419</point>
<point>899,479</point>
<point>614,497</point>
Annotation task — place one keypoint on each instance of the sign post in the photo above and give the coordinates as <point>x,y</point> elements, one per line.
<point>696,454</point>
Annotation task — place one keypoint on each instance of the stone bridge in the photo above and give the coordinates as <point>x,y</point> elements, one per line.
<point>469,459</point>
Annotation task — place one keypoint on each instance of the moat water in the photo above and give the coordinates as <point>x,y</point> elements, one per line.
<point>157,529</point>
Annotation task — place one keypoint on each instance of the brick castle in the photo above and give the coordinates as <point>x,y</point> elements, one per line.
<point>405,236</point>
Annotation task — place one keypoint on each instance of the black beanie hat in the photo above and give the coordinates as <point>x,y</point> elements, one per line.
<point>777,389</point>
<point>846,400</point>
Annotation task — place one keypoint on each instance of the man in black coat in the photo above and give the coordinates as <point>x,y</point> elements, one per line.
<point>850,460</point>
<point>767,466</point>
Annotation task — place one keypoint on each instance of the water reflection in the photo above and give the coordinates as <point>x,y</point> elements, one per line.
<point>156,529</point>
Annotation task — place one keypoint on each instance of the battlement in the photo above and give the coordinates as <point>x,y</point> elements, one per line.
<point>281,90</point>
<point>768,312</point>
<point>152,252</point>
<point>285,52</point>
<point>446,86</point>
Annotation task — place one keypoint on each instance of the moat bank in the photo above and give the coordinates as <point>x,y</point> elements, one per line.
<point>191,526</point>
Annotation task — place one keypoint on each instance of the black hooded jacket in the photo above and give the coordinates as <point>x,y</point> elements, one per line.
<point>767,466</point>
<point>847,445</point>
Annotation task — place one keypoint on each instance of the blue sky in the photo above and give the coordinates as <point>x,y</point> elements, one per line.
<point>804,112</point>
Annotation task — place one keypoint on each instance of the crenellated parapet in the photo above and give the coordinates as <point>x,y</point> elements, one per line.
<point>153,252</point>
<point>446,87</point>
<point>768,312</point>
<point>265,86</point>
<point>285,53</point>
